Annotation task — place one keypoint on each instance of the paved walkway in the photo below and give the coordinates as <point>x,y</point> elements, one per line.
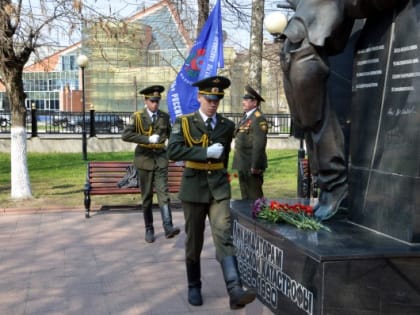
<point>61,263</point>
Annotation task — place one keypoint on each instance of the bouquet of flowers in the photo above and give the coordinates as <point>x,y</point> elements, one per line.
<point>298,215</point>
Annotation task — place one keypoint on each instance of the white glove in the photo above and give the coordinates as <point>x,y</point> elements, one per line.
<point>154,138</point>
<point>215,151</point>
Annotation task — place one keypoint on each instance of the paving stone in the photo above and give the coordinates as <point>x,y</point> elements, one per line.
<point>58,262</point>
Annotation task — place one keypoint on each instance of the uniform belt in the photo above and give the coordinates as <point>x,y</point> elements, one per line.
<point>152,145</point>
<point>204,166</point>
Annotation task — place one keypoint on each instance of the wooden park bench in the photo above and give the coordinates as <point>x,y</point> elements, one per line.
<point>103,177</point>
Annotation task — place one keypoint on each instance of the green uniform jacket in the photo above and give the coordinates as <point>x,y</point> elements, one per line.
<point>250,143</point>
<point>201,185</point>
<point>139,130</point>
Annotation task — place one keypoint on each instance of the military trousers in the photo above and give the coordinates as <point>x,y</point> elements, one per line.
<point>220,220</point>
<point>158,179</point>
<point>250,185</point>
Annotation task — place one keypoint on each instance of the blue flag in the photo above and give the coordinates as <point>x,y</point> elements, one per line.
<point>205,57</point>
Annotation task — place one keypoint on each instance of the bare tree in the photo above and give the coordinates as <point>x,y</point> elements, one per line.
<point>28,28</point>
<point>23,26</point>
<point>235,13</point>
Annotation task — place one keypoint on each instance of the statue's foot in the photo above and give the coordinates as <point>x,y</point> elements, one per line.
<point>329,202</point>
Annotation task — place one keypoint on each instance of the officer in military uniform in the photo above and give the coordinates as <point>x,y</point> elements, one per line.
<point>250,158</point>
<point>150,128</point>
<point>203,139</point>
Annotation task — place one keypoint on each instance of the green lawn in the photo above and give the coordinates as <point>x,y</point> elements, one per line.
<point>57,179</point>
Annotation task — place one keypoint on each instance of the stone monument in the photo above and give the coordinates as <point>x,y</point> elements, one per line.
<point>369,263</point>
<point>384,173</point>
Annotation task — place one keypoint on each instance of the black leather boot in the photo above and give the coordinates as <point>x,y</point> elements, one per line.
<point>194,283</point>
<point>148,223</point>
<point>170,230</point>
<point>237,295</point>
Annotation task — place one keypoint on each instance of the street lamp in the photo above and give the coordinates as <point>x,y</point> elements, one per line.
<point>83,61</point>
<point>275,23</point>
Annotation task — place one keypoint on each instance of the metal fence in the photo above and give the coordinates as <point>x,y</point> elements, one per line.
<point>51,122</point>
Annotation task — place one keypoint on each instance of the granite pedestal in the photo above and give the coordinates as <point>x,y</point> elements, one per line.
<point>349,270</point>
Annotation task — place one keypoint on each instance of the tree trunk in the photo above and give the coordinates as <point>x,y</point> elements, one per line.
<point>203,14</point>
<point>20,183</point>
<point>13,58</point>
<point>21,187</point>
<point>256,45</point>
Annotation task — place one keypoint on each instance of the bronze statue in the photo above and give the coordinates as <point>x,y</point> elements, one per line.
<point>317,30</point>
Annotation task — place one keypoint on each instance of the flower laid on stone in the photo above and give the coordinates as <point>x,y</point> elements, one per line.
<point>298,214</point>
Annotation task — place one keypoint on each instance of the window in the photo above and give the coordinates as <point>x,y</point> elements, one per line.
<point>68,63</point>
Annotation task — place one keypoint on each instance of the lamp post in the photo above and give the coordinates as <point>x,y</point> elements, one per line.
<point>34,121</point>
<point>82,61</point>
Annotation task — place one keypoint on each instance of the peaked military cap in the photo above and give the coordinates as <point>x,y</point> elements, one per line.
<point>212,87</point>
<point>251,94</point>
<point>153,92</point>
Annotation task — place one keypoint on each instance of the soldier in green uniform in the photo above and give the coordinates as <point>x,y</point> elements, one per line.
<point>250,158</point>
<point>150,128</point>
<point>203,139</point>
